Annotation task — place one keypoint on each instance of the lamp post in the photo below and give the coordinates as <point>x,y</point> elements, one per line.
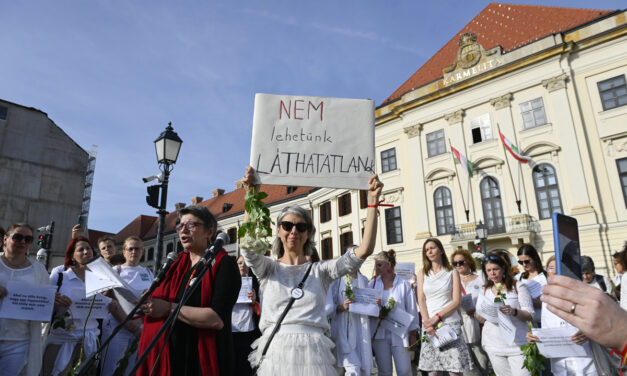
<point>482,236</point>
<point>167,147</point>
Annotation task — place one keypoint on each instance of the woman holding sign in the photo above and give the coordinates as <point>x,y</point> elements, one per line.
<point>64,342</point>
<point>386,343</point>
<point>300,347</point>
<point>20,340</point>
<point>245,321</point>
<point>139,279</point>
<point>514,301</point>
<point>533,275</point>
<point>349,330</point>
<point>439,297</point>
<point>472,283</point>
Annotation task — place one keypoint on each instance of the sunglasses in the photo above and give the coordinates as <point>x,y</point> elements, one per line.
<point>131,249</point>
<point>20,237</point>
<point>493,258</point>
<point>524,262</point>
<point>190,226</point>
<point>459,263</point>
<point>300,227</point>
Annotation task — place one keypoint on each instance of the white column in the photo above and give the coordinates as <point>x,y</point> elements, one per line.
<point>575,178</point>
<point>418,196</point>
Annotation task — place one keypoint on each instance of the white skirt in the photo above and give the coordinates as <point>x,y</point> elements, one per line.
<point>295,350</point>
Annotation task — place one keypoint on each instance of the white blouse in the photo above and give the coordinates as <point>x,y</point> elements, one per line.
<point>276,281</point>
<point>491,340</point>
<point>438,290</point>
<point>405,299</point>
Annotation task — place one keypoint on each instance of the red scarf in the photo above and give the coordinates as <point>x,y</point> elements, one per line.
<point>206,337</point>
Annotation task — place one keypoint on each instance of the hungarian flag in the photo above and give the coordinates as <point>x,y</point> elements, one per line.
<point>461,159</point>
<point>513,149</point>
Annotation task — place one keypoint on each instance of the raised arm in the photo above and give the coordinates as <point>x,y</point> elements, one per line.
<point>370,230</point>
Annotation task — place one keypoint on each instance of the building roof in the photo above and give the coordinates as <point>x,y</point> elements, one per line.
<point>276,194</point>
<point>94,235</point>
<point>138,227</point>
<point>507,25</point>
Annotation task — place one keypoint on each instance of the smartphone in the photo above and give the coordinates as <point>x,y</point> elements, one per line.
<point>567,251</point>
<point>82,221</point>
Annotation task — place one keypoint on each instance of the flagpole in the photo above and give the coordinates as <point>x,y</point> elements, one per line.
<point>509,170</point>
<point>461,193</point>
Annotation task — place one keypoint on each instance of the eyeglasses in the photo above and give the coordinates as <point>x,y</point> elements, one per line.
<point>190,226</point>
<point>524,262</point>
<point>19,237</point>
<point>300,227</point>
<point>459,263</point>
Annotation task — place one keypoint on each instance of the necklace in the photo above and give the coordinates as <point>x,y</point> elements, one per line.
<point>12,265</point>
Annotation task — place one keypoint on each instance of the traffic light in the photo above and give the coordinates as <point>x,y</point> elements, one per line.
<point>42,241</point>
<point>153,195</point>
<point>47,241</point>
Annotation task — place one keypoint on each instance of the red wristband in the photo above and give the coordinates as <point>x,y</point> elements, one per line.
<point>380,204</point>
<point>439,317</point>
<point>623,357</point>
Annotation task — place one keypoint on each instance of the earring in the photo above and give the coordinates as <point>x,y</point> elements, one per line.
<point>390,270</point>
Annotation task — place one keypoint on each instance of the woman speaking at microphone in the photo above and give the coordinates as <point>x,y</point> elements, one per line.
<point>200,343</point>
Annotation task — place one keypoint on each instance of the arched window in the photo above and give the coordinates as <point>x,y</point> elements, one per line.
<point>547,190</point>
<point>492,207</point>
<point>444,211</point>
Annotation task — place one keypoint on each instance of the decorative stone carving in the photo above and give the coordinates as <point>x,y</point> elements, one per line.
<point>394,197</point>
<point>501,102</point>
<point>413,130</point>
<point>471,60</point>
<point>454,117</point>
<point>555,83</point>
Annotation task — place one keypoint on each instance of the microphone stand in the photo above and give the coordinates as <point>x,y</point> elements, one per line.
<point>175,313</point>
<point>89,361</point>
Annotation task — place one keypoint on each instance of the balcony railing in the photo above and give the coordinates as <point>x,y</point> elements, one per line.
<point>514,224</point>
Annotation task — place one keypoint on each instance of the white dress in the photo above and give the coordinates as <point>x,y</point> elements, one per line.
<point>140,279</point>
<point>453,357</point>
<point>301,347</point>
<point>472,332</point>
<point>351,332</point>
<point>623,291</point>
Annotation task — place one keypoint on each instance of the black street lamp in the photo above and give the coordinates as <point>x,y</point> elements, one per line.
<point>167,147</point>
<point>482,236</point>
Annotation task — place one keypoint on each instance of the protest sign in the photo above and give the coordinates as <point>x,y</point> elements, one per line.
<point>313,141</point>
<point>398,321</point>
<point>247,286</point>
<point>25,302</point>
<point>81,305</point>
<point>405,270</point>
<point>365,301</point>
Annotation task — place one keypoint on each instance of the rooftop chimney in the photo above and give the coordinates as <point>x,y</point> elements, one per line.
<point>179,205</point>
<point>196,200</point>
<point>217,192</point>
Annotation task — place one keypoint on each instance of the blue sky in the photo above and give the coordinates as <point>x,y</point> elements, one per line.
<point>114,73</point>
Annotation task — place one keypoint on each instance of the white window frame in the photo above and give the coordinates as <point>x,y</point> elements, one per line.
<point>484,124</point>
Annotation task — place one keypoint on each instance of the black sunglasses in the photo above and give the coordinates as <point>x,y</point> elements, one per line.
<point>524,262</point>
<point>300,227</point>
<point>20,237</point>
<point>459,263</point>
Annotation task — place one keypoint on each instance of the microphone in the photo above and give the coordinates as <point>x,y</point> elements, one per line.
<point>221,240</point>
<point>170,258</point>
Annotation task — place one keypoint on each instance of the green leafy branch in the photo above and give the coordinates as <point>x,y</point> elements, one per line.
<point>385,311</point>
<point>534,360</point>
<point>254,232</point>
